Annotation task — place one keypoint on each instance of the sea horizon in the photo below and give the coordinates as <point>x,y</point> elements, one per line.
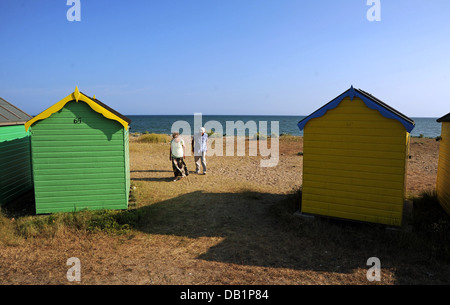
<point>162,124</point>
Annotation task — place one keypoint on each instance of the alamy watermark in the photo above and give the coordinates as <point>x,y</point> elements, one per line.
<point>236,133</point>
<point>74,272</point>
<point>374,12</point>
<point>374,272</point>
<point>74,12</point>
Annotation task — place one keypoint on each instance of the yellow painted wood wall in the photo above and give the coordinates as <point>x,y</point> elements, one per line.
<point>443,177</point>
<point>354,165</point>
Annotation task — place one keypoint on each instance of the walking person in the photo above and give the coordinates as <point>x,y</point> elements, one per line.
<point>177,156</point>
<point>200,147</point>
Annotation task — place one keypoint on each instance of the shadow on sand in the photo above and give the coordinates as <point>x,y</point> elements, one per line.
<point>259,229</point>
<point>151,171</point>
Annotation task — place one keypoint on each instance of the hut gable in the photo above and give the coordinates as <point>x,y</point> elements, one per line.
<point>445,118</point>
<point>11,115</point>
<point>95,105</point>
<point>369,100</point>
<point>355,156</point>
<point>80,156</point>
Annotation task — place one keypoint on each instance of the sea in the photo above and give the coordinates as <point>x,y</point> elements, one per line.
<point>162,124</point>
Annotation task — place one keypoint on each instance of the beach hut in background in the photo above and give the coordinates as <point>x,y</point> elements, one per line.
<point>355,157</point>
<point>15,154</point>
<point>80,156</point>
<point>443,176</point>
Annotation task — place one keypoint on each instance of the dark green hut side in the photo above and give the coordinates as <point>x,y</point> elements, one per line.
<point>15,154</point>
<point>80,156</point>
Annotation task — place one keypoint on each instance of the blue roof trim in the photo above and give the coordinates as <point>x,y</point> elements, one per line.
<point>321,111</point>
<point>386,113</point>
<point>409,125</point>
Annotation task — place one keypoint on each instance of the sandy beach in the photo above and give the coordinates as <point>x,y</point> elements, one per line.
<point>287,175</point>
<point>232,226</point>
<point>422,167</point>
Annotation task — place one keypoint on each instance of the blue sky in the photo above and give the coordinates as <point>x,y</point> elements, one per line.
<point>280,57</point>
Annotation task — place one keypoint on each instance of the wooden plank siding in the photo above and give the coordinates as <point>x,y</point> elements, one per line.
<point>79,161</point>
<point>126,146</point>
<point>354,165</point>
<point>15,162</point>
<point>443,176</point>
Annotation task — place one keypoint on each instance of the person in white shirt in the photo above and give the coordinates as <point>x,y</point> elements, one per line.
<point>199,147</point>
<point>177,156</point>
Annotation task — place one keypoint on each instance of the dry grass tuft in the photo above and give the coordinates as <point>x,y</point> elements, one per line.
<point>153,138</point>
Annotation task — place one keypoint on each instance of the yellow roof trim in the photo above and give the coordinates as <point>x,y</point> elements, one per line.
<point>76,96</point>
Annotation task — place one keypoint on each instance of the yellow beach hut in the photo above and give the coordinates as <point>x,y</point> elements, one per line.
<point>355,154</point>
<point>443,176</point>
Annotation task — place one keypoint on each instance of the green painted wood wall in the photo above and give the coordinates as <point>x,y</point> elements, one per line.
<point>80,161</point>
<point>15,162</point>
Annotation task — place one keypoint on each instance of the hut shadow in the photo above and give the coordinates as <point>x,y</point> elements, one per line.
<point>79,111</point>
<point>257,229</point>
<point>16,181</point>
<point>23,205</point>
<point>159,179</point>
<point>151,171</point>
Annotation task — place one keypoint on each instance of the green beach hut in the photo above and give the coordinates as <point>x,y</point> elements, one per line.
<point>80,156</point>
<point>15,155</point>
